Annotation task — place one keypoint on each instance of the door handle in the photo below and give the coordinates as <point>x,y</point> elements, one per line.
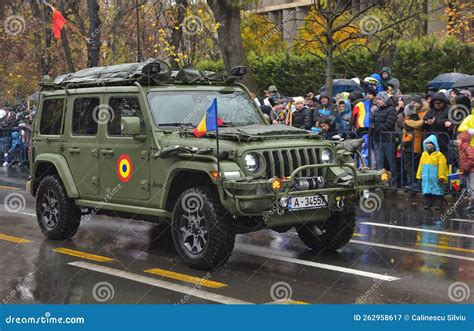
<point>73,150</point>
<point>107,152</point>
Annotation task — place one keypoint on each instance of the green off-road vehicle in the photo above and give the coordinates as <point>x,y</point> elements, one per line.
<point>119,141</point>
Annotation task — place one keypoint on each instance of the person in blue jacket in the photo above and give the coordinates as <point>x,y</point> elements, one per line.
<point>379,86</point>
<point>433,172</point>
<point>15,153</point>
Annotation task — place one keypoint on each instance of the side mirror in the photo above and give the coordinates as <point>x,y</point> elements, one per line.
<point>130,126</point>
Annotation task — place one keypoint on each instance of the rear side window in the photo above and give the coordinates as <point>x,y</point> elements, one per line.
<point>52,116</point>
<point>123,107</point>
<point>84,116</point>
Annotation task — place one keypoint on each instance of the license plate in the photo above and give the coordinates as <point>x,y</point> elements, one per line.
<point>309,202</point>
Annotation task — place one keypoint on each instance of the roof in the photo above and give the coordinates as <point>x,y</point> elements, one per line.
<point>150,72</point>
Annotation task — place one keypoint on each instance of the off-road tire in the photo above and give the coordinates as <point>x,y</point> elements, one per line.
<point>69,217</point>
<point>337,231</point>
<point>220,232</point>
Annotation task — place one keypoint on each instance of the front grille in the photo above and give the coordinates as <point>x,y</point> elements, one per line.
<point>283,162</point>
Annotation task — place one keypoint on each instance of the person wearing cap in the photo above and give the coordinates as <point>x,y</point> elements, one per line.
<point>301,117</point>
<point>325,109</point>
<point>437,120</point>
<point>382,132</point>
<point>386,76</point>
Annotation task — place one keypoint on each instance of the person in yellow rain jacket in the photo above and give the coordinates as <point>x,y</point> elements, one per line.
<point>468,126</point>
<point>433,171</point>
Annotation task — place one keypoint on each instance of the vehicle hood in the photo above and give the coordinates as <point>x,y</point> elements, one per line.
<point>262,130</point>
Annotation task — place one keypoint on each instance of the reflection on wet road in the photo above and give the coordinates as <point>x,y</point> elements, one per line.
<point>402,254</point>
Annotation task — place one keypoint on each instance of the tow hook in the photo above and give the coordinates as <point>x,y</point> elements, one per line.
<point>340,202</point>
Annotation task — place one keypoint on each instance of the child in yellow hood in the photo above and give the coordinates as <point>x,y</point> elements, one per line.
<point>433,171</point>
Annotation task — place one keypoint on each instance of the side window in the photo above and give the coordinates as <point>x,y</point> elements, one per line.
<point>123,107</point>
<point>52,116</point>
<point>84,116</point>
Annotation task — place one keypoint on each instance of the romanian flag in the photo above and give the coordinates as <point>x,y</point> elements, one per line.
<point>209,122</point>
<point>58,20</point>
<point>362,114</point>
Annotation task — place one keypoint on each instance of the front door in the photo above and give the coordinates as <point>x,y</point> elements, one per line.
<point>124,160</point>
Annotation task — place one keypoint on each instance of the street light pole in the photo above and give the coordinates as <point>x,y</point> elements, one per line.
<point>139,52</point>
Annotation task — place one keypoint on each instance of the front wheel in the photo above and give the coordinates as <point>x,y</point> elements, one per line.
<point>336,232</point>
<point>203,234</point>
<point>58,216</point>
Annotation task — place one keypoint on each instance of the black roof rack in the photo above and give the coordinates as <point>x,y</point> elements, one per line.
<point>152,71</point>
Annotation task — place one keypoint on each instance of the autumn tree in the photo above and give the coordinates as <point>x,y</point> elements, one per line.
<point>228,14</point>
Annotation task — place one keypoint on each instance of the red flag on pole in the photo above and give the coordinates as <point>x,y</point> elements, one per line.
<point>58,21</point>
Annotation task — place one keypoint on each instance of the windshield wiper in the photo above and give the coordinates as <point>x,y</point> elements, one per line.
<point>178,124</point>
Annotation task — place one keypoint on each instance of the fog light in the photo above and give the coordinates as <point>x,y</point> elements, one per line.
<point>284,202</point>
<point>277,183</point>
<point>385,176</point>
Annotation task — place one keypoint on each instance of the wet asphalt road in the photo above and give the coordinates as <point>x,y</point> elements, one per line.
<point>401,254</point>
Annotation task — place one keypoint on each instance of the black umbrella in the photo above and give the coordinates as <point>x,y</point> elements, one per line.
<point>464,82</point>
<point>446,81</point>
<point>342,85</point>
<point>34,97</point>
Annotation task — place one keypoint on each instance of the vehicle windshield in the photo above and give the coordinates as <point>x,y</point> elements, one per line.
<point>173,108</point>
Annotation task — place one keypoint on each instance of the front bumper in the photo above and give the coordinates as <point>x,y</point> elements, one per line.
<point>256,197</point>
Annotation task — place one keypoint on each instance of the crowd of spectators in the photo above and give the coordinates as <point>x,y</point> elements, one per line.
<point>15,134</point>
<point>413,136</point>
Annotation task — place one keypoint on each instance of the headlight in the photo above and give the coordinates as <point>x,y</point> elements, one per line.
<point>326,156</point>
<point>251,162</point>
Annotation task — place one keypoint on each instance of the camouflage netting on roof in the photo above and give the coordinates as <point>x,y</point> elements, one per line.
<point>152,70</point>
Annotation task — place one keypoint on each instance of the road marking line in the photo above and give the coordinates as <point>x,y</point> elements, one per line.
<point>87,256</point>
<point>317,265</point>
<point>195,292</point>
<point>185,278</point>
<point>413,250</point>
<point>418,229</point>
<point>14,239</point>
<point>451,248</point>
<point>28,214</point>
<point>462,220</point>
<point>359,235</point>
<point>9,188</point>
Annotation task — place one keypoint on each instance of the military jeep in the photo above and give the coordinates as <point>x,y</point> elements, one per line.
<point>119,141</point>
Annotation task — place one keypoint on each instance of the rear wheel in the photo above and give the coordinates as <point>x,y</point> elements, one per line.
<point>334,234</point>
<point>58,216</point>
<point>203,234</point>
